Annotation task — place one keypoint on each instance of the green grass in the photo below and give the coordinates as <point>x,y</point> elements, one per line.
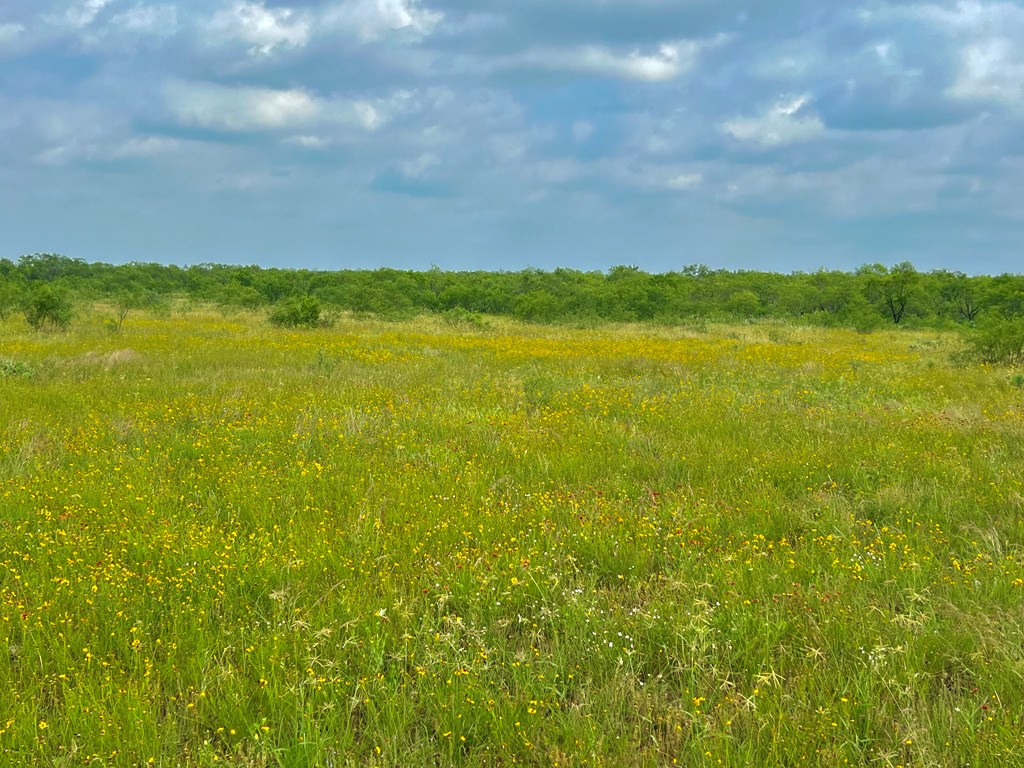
<point>492,544</point>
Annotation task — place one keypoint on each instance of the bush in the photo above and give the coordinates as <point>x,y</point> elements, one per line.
<point>744,303</point>
<point>458,316</point>
<point>9,300</point>
<point>298,313</point>
<point>45,306</point>
<point>998,341</point>
<point>15,368</point>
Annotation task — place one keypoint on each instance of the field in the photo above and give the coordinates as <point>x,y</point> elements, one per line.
<point>418,544</point>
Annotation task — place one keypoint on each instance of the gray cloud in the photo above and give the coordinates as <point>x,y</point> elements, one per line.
<point>588,132</point>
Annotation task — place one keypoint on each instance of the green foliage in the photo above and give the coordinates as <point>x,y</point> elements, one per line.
<point>130,299</point>
<point>874,296</point>
<point>15,369</point>
<point>461,317</point>
<point>999,341</point>
<point>10,298</point>
<point>298,313</point>
<point>894,290</point>
<point>744,303</point>
<point>48,307</point>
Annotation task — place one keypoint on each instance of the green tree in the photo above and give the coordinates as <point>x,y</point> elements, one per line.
<point>744,303</point>
<point>46,306</point>
<point>959,296</point>
<point>892,289</point>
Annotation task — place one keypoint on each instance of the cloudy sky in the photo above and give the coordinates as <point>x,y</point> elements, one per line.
<point>744,134</point>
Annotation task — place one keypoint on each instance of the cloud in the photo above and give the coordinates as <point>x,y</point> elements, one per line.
<point>373,19</point>
<point>418,166</point>
<point>264,29</point>
<point>205,105</point>
<point>684,181</point>
<point>628,119</point>
<point>991,72</point>
<point>80,15</point>
<point>10,33</point>
<point>786,122</point>
<point>102,149</point>
<point>144,146</point>
<point>668,62</point>
<point>243,109</point>
<point>308,141</point>
<point>156,20</point>
<point>648,177</point>
<point>983,39</point>
<point>582,130</point>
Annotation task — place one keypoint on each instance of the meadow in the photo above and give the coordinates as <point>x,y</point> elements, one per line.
<point>423,543</point>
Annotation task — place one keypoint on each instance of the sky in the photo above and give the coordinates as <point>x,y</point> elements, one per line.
<point>783,135</point>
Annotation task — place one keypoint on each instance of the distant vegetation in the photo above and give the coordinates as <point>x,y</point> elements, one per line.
<point>871,297</point>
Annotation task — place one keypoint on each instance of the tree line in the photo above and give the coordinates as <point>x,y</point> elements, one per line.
<point>43,285</point>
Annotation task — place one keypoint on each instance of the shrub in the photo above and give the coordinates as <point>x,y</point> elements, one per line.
<point>998,341</point>
<point>458,316</point>
<point>46,306</point>
<point>298,313</point>
<point>15,368</point>
<point>744,303</point>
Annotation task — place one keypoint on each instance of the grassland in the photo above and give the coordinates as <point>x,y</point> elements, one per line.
<point>415,544</point>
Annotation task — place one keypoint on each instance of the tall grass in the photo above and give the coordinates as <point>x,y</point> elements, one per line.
<point>425,544</point>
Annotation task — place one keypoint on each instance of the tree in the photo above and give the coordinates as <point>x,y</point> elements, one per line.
<point>891,288</point>
<point>50,266</point>
<point>131,298</point>
<point>46,306</point>
<point>960,295</point>
<point>744,303</point>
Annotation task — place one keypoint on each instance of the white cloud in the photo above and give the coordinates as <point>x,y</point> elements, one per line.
<point>418,166</point>
<point>95,143</point>
<point>263,29</point>
<point>785,122</point>
<point>157,20</point>
<point>684,181</point>
<point>969,16</point>
<point>373,19</point>
<point>989,37</point>
<point>10,32</point>
<point>308,141</point>
<point>993,72</point>
<point>668,62</point>
<point>368,115</point>
<point>242,109</point>
<point>206,105</point>
<point>80,15</point>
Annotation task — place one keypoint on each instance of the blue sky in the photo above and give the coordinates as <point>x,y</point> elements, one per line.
<point>780,134</point>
